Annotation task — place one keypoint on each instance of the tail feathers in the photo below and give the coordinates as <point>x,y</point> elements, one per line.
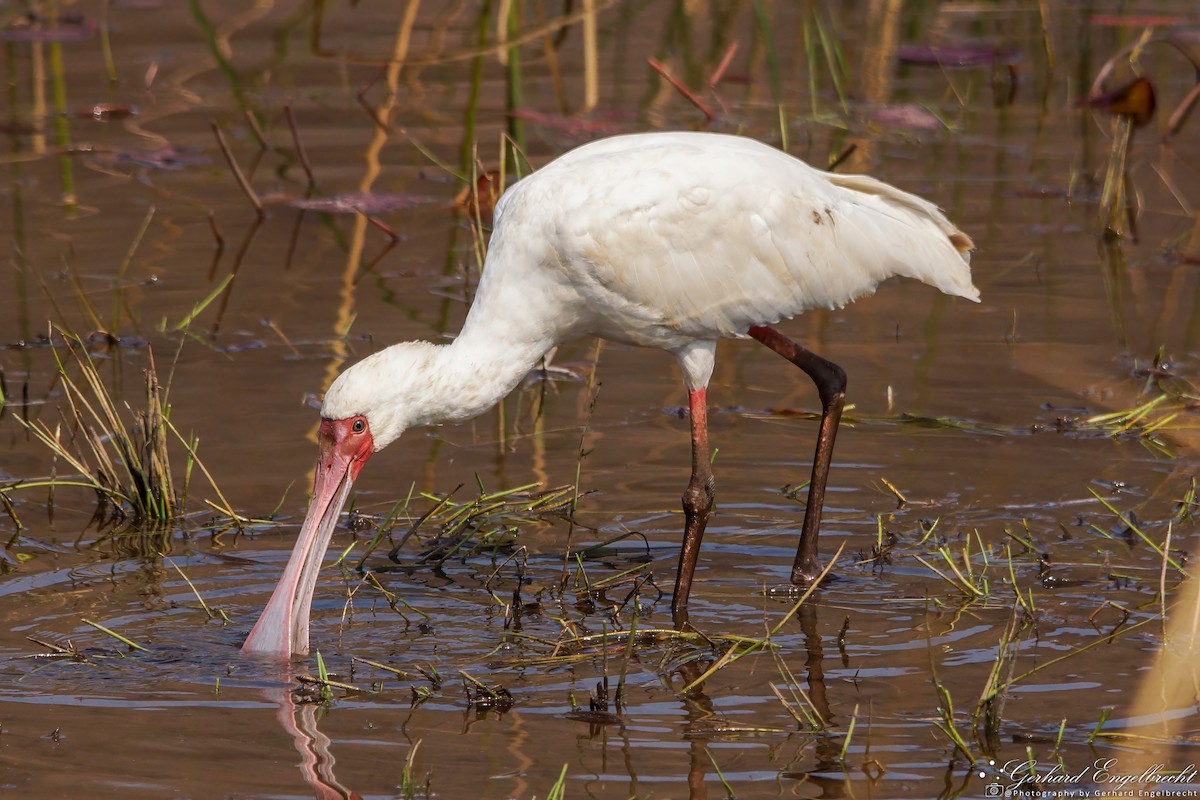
<point>962,243</point>
<point>919,256</point>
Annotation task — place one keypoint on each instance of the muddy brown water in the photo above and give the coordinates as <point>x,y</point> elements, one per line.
<point>1063,329</point>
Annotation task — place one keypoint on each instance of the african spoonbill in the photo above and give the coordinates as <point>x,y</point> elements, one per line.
<point>666,240</point>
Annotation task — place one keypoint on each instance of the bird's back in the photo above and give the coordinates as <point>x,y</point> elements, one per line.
<point>664,238</point>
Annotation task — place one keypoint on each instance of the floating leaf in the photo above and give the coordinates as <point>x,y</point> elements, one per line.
<point>906,117</point>
<point>572,125</point>
<point>362,202</point>
<point>957,57</point>
<point>1135,20</point>
<point>32,29</point>
<point>482,200</point>
<point>1187,42</point>
<point>162,158</point>
<point>103,112</point>
<point>1134,99</point>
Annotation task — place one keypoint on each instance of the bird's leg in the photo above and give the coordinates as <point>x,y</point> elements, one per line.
<point>697,503</point>
<point>831,386</point>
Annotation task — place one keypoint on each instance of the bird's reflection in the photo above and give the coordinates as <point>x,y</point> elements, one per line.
<point>698,707</point>
<point>827,749</point>
<point>814,665</point>
<point>299,720</point>
<point>703,722</point>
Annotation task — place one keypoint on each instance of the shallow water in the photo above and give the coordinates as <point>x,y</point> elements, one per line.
<point>1066,328</point>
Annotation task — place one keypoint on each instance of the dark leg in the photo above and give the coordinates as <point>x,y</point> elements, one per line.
<point>697,502</point>
<point>831,386</point>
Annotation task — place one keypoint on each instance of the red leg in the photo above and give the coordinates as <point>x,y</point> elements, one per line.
<point>831,386</point>
<point>697,503</point>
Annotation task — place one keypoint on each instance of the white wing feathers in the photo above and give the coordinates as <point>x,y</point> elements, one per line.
<point>699,236</point>
<point>922,230</point>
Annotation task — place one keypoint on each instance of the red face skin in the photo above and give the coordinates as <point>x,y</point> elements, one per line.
<point>344,447</point>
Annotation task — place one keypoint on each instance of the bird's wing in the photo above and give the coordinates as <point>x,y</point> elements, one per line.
<point>706,235</point>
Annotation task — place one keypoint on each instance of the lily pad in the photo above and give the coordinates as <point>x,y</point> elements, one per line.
<point>955,57</point>
<point>362,202</point>
<point>906,117</point>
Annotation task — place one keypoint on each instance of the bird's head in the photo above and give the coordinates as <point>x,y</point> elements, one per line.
<point>388,390</point>
<point>365,409</point>
<point>343,447</point>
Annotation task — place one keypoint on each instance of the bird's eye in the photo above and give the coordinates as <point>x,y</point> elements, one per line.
<point>359,425</point>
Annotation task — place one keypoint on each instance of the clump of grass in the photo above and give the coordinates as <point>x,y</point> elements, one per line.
<point>694,655</point>
<point>569,649</point>
<point>318,689</point>
<point>488,521</point>
<point>597,712</point>
<point>1144,420</point>
<point>1130,525</point>
<point>409,788</point>
<point>800,706</point>
<point>482,697</point>
<point>946,720</point>
<point>559,790</point>
<point>1173,401</point>
<point>989,710</point>
<point>126,465</point>
<point>120,454</point>
<point>962,572</point>
<point>132,645</point>
<point>71,652</point>
<point>56,651</point>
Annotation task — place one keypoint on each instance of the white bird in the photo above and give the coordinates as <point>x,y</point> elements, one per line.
<point>667,240</point>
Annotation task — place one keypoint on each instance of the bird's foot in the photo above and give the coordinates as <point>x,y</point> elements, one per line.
<point>679,617</point>
<point>801,583</point>
<point>808,571</point>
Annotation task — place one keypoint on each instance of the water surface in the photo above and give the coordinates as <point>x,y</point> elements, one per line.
<point>1067,329</point>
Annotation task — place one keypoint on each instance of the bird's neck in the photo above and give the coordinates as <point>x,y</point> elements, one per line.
<point>477,370</point>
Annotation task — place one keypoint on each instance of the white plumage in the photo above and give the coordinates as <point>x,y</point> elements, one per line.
<point>667,240</point>
<point>660,240</point>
